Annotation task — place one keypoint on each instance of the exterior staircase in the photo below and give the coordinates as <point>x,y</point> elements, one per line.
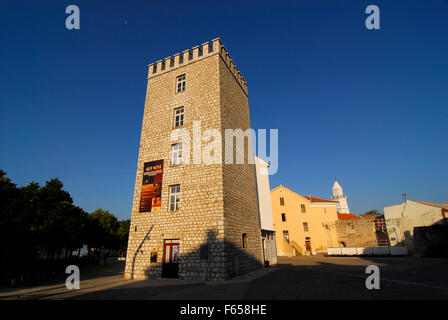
<point>292,249</point>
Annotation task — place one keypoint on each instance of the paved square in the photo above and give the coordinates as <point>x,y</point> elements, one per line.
<point>302,278</point>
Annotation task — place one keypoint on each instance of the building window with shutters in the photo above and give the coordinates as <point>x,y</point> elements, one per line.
<point>282,201</point>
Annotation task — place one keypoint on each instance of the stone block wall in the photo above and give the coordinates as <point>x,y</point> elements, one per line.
<point>218,202</point>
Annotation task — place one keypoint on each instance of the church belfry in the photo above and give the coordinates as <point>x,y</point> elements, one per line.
<point>340,197</point>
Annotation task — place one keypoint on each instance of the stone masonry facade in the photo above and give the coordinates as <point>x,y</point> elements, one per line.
<point>218,202</point>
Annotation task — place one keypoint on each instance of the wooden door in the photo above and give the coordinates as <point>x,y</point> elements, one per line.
<point>308,246</point>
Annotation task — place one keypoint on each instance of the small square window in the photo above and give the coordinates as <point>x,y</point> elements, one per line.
<point>181,80</point>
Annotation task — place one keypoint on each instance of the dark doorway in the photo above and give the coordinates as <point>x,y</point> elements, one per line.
<point>170,268</point>
<point>308,246</point>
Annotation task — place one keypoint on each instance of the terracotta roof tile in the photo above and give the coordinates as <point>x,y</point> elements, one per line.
<point>346,216</point>
<point>316,199</point>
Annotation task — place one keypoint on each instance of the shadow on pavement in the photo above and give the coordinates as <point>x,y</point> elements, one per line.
<point>336,278</point>
<point>296,278</point>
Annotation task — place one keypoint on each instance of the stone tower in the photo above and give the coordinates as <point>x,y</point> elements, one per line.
<point>340,197</point>
<point>193,220</point>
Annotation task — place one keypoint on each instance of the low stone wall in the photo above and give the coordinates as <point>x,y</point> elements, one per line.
<point>368,251</point>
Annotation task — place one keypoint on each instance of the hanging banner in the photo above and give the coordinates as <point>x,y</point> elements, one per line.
<point>151,194</point>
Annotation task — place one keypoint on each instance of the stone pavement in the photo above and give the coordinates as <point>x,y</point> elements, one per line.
<point>107,282</point>
<point>316,277</point>
<point>336,278</point>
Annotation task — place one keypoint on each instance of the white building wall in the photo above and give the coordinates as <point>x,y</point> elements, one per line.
<point>410,214</point>
<point>264,195</point>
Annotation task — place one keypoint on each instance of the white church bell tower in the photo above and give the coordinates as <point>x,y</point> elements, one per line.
<point>340,197</point>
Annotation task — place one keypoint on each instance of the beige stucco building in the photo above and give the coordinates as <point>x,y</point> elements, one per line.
<point>402,219</point>
<point>193,220</point>
<point>301,223</point>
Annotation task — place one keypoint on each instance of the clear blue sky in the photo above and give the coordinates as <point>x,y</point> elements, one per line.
<point>367,107</point>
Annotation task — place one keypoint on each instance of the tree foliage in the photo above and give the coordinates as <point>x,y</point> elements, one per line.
<point>373,212</point>
<point>42,223</point>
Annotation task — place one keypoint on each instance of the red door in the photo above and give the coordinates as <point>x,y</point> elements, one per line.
<point>170,267</point>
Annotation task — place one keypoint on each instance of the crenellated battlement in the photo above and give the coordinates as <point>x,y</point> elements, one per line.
<point>196,53</point>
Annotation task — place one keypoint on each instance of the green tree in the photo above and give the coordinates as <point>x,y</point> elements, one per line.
<point>103,227</point>
<point>54,206</point>
<point>39,222</point>
<point>373,212</point>
<point>75,225</point>
<point>123,234</point>
<point>9,195</point>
